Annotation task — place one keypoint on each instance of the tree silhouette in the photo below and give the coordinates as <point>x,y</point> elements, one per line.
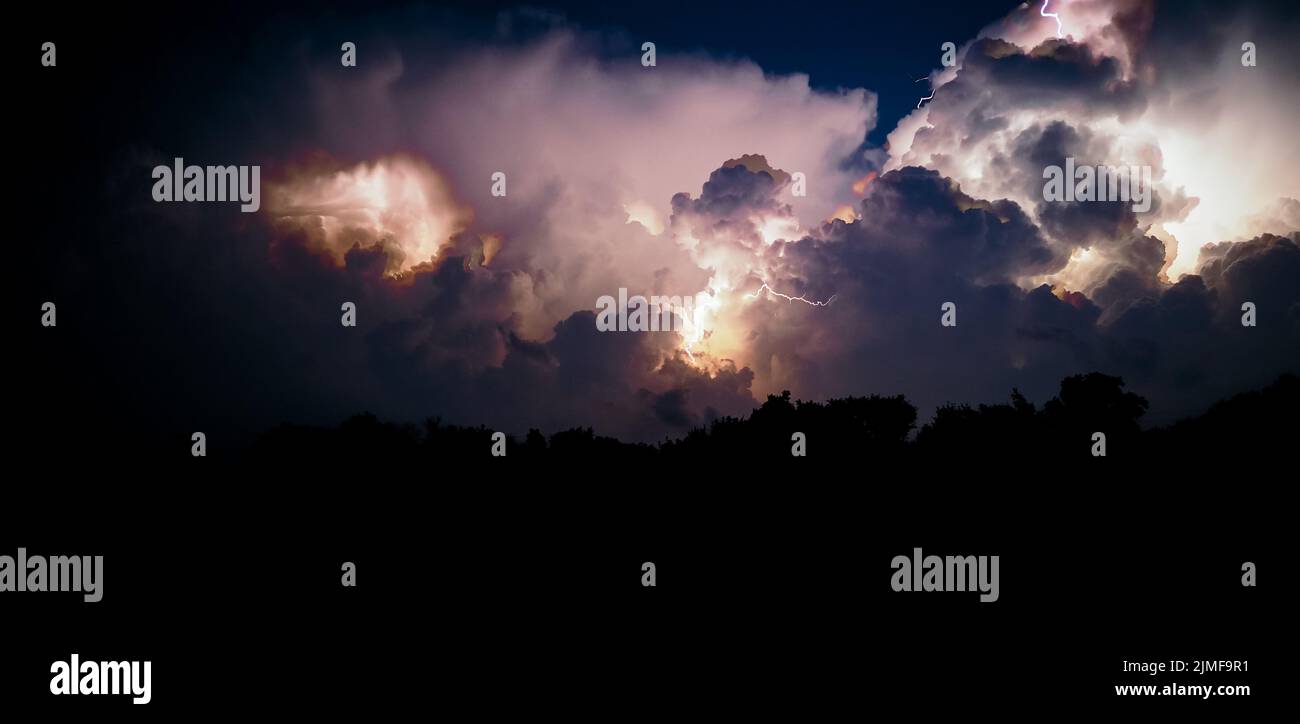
<point>871,429</point>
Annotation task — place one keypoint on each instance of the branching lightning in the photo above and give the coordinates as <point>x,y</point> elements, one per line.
<point>918,103</point>
<point>1055,16</point>
<point>809,302</point>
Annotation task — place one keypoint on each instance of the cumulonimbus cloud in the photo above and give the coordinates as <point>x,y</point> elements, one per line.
<point>680,179</point>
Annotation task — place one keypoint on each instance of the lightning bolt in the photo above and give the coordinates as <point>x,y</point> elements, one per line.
<point>1055,16</point>
<point>809,302</point>
<point>918,103</point>
<point>696,334</point>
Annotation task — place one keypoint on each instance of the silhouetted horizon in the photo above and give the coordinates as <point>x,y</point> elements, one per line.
<point>874,425</point>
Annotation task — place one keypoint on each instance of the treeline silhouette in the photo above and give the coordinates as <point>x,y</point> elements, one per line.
<point>1261,423</point>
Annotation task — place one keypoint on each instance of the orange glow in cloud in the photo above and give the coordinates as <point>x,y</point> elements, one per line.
<point>844,213</point>
<point>860,186</point>
<point>399,203</point>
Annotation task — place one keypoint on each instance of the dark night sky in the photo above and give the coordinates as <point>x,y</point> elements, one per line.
<point>170,313</point>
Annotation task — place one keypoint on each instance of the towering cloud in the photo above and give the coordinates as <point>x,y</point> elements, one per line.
<point>688,178</point>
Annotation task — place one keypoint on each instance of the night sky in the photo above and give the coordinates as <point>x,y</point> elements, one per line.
<point>677,179</point>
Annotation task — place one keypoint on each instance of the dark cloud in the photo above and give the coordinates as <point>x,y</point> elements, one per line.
<point>921,242</point>
<point>1056,74</point>
<point>198,317</point>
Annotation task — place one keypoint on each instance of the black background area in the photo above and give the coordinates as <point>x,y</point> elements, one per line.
<point>768,598</point>
<point>501,590</point>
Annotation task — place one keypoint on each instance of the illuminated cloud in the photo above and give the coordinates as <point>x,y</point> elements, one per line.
<point>680,180</point>
<point>605,162</point>
<point>1128,87</point>
<point>400,204</point>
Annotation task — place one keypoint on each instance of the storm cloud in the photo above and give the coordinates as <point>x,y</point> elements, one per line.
<point>704,178</point>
